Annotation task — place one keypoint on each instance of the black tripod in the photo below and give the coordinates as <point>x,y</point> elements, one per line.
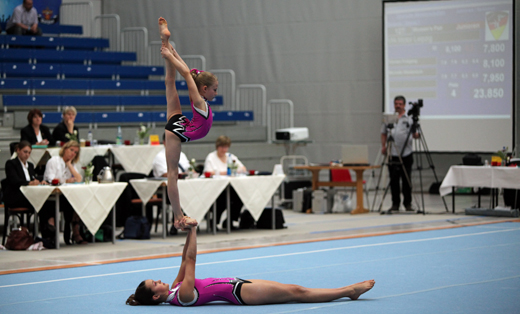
<point>387,161</point>
<point>420,146</point>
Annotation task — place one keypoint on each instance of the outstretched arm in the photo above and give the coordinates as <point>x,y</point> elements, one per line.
<point>184,70</point>
<point>187,270</point>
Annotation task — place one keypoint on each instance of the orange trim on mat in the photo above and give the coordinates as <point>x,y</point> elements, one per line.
<point>131,259</point>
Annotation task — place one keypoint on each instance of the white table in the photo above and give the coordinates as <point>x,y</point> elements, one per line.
<point>197,195</point>
<point>479,176</point>
<point>92,202</point>
<point>136,158</point>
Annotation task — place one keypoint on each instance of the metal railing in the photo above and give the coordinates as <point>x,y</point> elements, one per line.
<point>280,115</point>
<point>226,88</point>
<point>135,39</point>
<point>78,13</point>
<point>252,97</point>
<point>108,26</point>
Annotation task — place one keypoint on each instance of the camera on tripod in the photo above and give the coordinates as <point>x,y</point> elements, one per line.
<point>415,111</point>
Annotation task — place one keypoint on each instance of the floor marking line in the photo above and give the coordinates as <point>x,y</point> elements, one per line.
<point>272,256</point>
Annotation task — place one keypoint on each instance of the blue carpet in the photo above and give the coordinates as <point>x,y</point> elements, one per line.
<point>462,270</point>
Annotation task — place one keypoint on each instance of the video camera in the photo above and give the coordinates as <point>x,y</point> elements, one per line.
<point>415,111</point>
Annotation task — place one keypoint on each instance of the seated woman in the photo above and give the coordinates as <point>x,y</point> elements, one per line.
<point>217,163</point>
<point>66,169</point>
<point>188,291</point>
<point>35,132</point>
<point>66,130</point>
<point>19,172</point>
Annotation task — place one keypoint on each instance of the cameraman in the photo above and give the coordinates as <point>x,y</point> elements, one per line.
<point>400,132</point>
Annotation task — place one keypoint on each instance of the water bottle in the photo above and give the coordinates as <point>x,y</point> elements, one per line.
<point>89,137</point>
<point>119,138</point>
<point>229,164</point>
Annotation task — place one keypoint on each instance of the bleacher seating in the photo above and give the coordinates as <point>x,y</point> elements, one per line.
<point>36,101</point>
<point>65,56</point>
<point>141,117</point>
<point>57,43</point>
<point>66,70</point>
<point>56,28</point>
<point>65,65</point>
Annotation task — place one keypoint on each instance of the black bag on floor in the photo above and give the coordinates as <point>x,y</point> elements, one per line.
<point>246,220</point>
<point>136,227</point>
<point>265,220</point>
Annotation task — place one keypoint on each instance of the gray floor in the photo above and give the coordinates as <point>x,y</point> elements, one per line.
<point>300,227</point>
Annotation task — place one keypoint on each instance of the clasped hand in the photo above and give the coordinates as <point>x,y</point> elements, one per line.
<point>185,223</point>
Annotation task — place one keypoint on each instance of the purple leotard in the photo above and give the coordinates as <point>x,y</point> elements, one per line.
<point>211,289</point>
<point>192,130</point>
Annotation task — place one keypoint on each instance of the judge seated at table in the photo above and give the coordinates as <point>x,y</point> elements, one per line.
<point>35,132</point>
<point>19,172</point>
<point>217,163</point>
<point>65,169</point>
<point>66,130</point>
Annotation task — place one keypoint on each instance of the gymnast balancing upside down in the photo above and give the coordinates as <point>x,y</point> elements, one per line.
<point>202,87</point>
<point>188,291</point>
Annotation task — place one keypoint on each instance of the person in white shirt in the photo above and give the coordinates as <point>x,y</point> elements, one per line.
<point>24,20</point>
<point>160,168</point>
<point>66,169</point>
<point>217,163</point>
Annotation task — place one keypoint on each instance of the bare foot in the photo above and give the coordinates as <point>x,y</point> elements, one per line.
<point>360,288</point>
<point>165,33</point>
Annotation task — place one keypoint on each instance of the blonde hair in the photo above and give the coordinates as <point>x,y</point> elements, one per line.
<point>203,78</point>
<point>68,145</point>
<point>69,109</point>
<point>222,141</point>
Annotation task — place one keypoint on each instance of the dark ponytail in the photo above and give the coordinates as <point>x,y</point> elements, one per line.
<point>142,296</point>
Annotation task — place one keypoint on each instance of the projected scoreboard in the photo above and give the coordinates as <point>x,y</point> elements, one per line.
<point>456,55</point>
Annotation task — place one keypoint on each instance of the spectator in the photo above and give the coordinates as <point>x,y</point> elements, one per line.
<point>66,130</point>
<point>24,20</point>
<point>216,163</point>
<point>35,132</point>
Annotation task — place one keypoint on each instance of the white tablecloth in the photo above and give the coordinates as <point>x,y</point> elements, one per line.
<point>195,195</point>
<point>92,202</point>
<point>136,158</point>
<point>480,176</point>
<point>256,191</point>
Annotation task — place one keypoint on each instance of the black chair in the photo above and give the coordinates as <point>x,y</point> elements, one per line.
<point>12,147</point>
<point>9,211</point>
<point>129,203</point>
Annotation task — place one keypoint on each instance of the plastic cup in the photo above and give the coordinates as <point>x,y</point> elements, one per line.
<point>127,142</point>
<point>87,143</point>
<point>252,172</point>
<point>207,174</point>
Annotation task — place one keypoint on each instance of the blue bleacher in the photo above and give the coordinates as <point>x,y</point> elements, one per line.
<point>27,70</point>
<point>65,56</point>
<point>74,43</point>
<point>87,100</point>
<point>55,28</point>
<point>86,84</point>
<point>69,70</point>
<point>141,117</point>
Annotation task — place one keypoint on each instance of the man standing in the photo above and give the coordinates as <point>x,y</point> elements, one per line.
<point>24,20</point>
<point>402,146</point>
